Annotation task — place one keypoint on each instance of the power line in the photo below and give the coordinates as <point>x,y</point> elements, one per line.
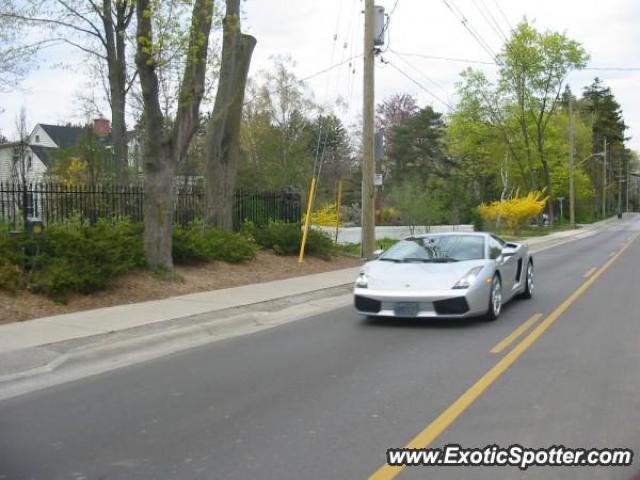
<point>419,72</point>
<point>466,24</point>
<point>395,5</point>
<point>622,69</point>
<point>410,78</point>
<point>332,67</point>
<point>488,17</point>
<point>448,59</point>
<point>482,62</point>
<point>503,15</point>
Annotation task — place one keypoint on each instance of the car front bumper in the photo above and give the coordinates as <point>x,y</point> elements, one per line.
<point>454,303</point>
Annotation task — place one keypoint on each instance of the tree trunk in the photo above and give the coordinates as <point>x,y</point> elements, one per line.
<point>119,136</point>
<point>222,145</point>
<point>159,198</point>
<point>163,146</point>
<point>546,172</point>
<point>116,19</point>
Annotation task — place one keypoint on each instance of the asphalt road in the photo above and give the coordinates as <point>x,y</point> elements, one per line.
<point>326,396</point>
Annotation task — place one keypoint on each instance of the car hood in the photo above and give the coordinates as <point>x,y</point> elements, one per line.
<point>383,275</point>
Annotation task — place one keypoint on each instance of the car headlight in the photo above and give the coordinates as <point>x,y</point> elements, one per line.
<point>469,278</point>
<point>361,281</point>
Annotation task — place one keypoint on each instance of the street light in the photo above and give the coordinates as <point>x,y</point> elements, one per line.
<point>572,192</point>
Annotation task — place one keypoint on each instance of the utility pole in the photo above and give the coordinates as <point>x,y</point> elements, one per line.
<point>572,192</point>
<point>619,212</point>
<point>604,180</point>
<point>627,186</point>
<point>368,142</point>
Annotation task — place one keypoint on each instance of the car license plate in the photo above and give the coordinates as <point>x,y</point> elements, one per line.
<point>405,309</point>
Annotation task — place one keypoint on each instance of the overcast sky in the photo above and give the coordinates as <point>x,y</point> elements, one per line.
<point>318,34</point>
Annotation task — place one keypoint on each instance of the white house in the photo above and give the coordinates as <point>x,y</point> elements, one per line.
<point>38,152</point>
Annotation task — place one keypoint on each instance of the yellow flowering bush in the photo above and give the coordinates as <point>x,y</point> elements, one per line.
<point>326,216</point>
<point>516,211</point>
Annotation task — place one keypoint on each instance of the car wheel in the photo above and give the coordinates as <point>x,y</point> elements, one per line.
<point>495,299</point>
<point>529,282</point>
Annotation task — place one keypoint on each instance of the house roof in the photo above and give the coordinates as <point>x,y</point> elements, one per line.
<point>45,154</point>
<point>64,136</point>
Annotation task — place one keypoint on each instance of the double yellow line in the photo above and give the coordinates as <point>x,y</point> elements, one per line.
<point>446,418</point>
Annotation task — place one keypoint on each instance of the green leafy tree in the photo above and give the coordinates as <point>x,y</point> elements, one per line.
<point>599,108</point>
<point>418,149</point>
<point>533,69</point>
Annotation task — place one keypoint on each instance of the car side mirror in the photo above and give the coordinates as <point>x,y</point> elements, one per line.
<point>508,251</point>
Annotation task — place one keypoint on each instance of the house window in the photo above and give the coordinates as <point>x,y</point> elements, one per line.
<point>37,138</point>
<point>29,163</point>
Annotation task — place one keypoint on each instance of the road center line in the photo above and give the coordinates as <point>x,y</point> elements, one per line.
<point>516,333</point>
<point>590,272</point>
<point>446,418</point>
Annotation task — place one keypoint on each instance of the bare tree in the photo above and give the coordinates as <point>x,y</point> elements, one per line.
<point>165,142</point>
<point>21,163</point>
<point>222,145</point>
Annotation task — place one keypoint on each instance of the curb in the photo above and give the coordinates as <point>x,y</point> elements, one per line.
<point>79,358</point>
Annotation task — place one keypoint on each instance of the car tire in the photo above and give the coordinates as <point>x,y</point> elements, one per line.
<point>495,300</point>
<point>529,282</point>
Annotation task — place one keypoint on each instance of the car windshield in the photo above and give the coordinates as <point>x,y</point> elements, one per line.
<point>436,249</point>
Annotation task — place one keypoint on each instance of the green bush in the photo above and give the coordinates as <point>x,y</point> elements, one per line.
<point>200,243</point>
<point>79,258</point>
<point>11,261</point>
<point>10,278</point>
<point>10,250</point>
<point>285,239</point>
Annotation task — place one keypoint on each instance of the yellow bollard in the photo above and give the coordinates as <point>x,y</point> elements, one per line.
<point>307,218</point>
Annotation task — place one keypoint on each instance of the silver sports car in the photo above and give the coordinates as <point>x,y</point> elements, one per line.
<point>445,275</point>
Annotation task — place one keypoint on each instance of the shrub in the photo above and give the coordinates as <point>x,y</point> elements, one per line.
<point>11,261</point>
<point>10,250</point>
<point>389,216</point>
<point>319,244</point>
<point>10,278</point>
<point>326,216</point>
<point>516,211</point>
<point>285,239</point>
<point>199,243</point>
<point>79,258</point>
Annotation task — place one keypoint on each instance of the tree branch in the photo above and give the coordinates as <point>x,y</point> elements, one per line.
<point>51,21</point>
<point>79,15</point>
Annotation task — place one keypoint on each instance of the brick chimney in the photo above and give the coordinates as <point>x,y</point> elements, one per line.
<point>101,128</point>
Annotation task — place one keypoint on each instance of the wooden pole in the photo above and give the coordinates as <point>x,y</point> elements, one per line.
<point>368,142</point>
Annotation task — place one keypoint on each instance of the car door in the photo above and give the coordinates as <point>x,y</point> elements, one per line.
<point>506,265</point>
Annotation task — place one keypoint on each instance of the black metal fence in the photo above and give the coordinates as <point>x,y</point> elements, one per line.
<point>53,202</point>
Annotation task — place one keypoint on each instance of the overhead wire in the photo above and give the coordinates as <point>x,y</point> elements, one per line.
<point>319,162</point>
<point>466,24</point>
<point>448,59</point>
<point>420,85</point>
<point>496,28</point>
<point>503,15</point>
<point>495,22</point>
<point>420,72</point>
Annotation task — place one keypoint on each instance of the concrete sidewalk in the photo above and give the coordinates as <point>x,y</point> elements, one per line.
<point>89,323</point>
<point>46,330</point>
